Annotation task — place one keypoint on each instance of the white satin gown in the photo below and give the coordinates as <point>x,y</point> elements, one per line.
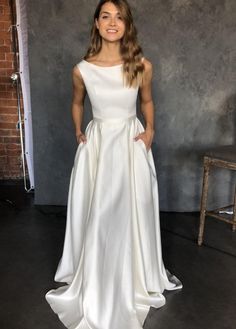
<point>112,258</point>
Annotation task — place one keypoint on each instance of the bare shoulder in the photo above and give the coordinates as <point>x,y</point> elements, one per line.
<point>147,70</point>
<point>147,64</point>
<point>76,74</point>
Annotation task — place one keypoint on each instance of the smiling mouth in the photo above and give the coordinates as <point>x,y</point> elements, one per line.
<point>112,31</point>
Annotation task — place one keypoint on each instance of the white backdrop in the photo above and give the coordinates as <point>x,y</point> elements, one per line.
<point>22,31</point>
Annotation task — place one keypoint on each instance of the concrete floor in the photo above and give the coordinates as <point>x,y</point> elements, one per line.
<point>31,241</point>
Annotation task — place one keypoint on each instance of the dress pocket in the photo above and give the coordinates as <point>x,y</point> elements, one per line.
<point>143,145</point>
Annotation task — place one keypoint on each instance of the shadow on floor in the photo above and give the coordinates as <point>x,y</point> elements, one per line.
<point>31,245</point>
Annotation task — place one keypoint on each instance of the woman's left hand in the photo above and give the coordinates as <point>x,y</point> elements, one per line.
<point>147,137</point>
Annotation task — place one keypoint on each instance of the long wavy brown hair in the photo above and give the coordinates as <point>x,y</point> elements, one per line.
<point>131,51</point>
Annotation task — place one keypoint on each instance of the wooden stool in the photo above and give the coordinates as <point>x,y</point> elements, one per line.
<point>223,157</point>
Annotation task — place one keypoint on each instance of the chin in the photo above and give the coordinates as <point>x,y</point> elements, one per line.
<point>112,39</point>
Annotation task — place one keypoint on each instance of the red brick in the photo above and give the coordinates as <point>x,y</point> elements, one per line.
<point>5,35</point>
<point>10,56</point>
<point>14,132</point>
<point>8,118</point>
<point>13,152</point>
<point>15,174</point>
<point>7,125</point>
<point>6,94</point>
<point>13,146</point>
<point>11,140</point>
<point>3,94</point>
<point>3,159</point>
<point>11,102</point>
<point>7,102</point>
<point>9,72</point>
<point>3,108</point>
<point>5,17</point>
<point>14,167</point>
<point>2,26</point>
<point>14,95</point>
<point>10,110</point>
<point>10,87</point>
<point>3,73</point>
<point>6,10</point>
<point>5,79</point>
<point>10,148</point>
<point>7,26</point>
<point>3,87</point>
<point>5,49</point>
<point>5,132</point>
<point>7,42</point>
<point>12,159</point>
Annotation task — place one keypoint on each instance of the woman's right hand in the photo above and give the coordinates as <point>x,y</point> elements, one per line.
<point>81,138</point>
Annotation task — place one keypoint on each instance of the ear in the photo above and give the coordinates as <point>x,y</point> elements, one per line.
<point>96,22</point>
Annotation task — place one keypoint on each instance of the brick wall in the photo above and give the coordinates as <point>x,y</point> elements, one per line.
<point>10,150</point>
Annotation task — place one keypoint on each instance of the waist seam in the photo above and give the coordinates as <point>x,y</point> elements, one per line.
<point>115,120</point>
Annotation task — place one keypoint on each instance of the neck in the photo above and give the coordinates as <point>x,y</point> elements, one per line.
<point>110,51</point>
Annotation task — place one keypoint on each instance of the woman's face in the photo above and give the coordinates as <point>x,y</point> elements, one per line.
<point>110,23</point>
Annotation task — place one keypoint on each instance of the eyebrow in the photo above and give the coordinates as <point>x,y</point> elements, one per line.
<point>107,12</point>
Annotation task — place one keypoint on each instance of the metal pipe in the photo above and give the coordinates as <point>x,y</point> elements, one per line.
<point>16,80</point>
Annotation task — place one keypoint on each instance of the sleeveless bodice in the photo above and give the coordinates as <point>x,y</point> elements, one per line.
<point>108,96</point>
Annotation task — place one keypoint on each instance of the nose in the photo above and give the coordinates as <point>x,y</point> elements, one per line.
<point>113,21</point>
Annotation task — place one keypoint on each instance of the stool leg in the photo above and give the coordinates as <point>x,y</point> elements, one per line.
<point>204,199</point>
<point>234,211</point>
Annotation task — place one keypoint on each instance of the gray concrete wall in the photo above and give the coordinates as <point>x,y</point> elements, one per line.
<point>191,44</point>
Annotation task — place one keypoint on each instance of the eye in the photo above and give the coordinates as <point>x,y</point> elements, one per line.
<point>105,16</point>
<point>119,17</point>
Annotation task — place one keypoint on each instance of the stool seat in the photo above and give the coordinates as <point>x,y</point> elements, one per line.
<point>223,157</point>
<point>226,153</point>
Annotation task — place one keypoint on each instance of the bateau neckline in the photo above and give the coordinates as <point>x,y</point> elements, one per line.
<point>103,67</point>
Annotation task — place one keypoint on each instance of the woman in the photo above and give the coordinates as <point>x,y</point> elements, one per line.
<point>112,259</point>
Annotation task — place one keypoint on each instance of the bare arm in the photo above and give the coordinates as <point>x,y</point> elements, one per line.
<point>77,109</point>
<point>147,106</point>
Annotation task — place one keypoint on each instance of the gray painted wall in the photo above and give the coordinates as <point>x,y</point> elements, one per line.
<point>191,44</point>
